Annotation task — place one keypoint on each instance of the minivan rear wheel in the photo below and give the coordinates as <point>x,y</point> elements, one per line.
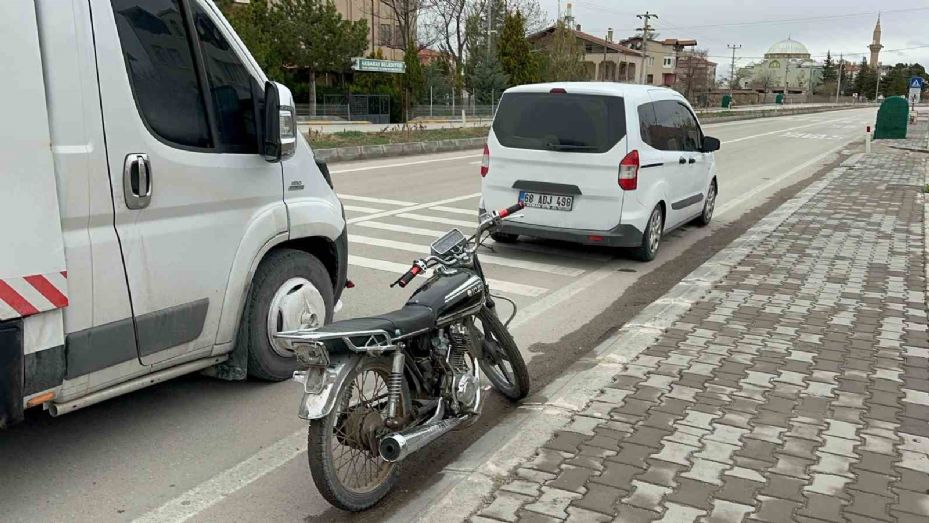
<point>708,206</point>
<point>651,239</point>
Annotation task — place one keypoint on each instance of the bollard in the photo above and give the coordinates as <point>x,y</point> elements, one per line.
<point>463,119</point>
<point>867,139</point>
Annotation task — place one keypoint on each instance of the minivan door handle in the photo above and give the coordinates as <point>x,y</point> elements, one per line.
<point>692,160</point>
<point>137,181</point>
<point>682,160</point>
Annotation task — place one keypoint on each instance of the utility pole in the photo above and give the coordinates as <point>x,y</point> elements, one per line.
<point>646,32</point>
<point>838,81</point>
<point>732,69</point>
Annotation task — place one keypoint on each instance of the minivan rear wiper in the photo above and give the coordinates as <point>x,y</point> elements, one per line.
<point>569,147</point>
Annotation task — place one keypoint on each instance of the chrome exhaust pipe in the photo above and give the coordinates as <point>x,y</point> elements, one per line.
<point>397,446</point>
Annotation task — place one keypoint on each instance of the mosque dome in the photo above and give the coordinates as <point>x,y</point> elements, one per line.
<point>789,47</point>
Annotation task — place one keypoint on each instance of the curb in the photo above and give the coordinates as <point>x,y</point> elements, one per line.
<point>462,486</point>
<point>367,152</point>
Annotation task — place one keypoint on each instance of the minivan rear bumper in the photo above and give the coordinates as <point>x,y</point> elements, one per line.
<point>623,235</point>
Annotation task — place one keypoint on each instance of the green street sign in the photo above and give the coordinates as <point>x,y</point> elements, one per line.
<point>378,66</point>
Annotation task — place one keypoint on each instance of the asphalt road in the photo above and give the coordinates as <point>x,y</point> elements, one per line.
<point>201,449</point>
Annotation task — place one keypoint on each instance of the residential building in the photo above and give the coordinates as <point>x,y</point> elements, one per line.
<point>660,67</point>
<point>605,60</point>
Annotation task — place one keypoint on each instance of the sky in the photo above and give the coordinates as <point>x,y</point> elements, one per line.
<point>821,25</point>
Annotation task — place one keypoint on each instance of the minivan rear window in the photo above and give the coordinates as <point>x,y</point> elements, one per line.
<point>576,123</point>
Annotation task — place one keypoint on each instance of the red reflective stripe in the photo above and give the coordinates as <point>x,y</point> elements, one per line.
<point>48,290</point>
<point>15,300</point>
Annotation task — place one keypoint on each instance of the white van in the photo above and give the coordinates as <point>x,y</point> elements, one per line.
<point>598,163</point>
<point>160,213</point>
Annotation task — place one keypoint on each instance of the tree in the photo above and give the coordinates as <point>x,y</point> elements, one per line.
<point>514,51</point>
<point>563,59</point>
<point>450,17</point>
<point>693,74</point>
<point>765,80</point>
<point>255,24</point>
<point>412,79</point>
<point>865,81</point>
<point>489,80</point>
<point>829,70</point>
<point>406,14</point>
<point>315,37</point>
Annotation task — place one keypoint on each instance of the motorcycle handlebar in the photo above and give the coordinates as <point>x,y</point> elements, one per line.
<point>518,206</point>
<point>407,277</point>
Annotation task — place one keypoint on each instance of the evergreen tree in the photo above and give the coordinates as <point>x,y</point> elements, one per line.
<point>413,81</point>
<point>829,69</point>
<point>514,51</point>
<point>254,23</point>
<point>313,36</point>
<point>489,79</point>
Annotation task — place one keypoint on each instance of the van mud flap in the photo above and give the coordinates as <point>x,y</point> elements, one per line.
<point>11,373</point>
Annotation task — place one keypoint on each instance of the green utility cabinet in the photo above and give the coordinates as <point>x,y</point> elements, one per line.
<point>892,118</point>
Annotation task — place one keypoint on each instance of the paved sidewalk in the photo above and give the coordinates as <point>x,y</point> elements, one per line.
<point>797,389</point>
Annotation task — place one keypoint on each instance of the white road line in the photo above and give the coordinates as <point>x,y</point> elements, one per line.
<point>358,208</point>
<point>454,210</point>
<point>485,258</point>
<point>368,199</point>
<point>432,233</point>
<point>731,204</point>
<point>400,268</point>
<point>742,139</point>
<point>216,489</point>
<point>403,164</point>
<point>436,219</point>
<point>415,207</point>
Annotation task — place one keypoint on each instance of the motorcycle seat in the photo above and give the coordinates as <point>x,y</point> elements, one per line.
<point>407,320</point>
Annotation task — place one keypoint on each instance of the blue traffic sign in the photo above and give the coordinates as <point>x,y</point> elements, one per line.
<point>916,82</point>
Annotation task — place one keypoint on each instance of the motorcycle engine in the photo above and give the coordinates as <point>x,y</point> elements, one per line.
<point>461,383</point>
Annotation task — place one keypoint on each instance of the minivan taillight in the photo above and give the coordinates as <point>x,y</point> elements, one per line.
<point>485,162</point>
<point>629,171</point>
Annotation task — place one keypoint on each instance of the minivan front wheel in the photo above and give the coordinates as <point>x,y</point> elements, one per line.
<point>651,239</point>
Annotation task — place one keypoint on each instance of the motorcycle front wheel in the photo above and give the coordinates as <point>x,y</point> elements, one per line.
<point>343,447</point>
<point>501,361</point>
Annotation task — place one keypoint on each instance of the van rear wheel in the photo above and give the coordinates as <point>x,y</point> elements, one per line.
<point>651,240</point>
<point>291,290</point>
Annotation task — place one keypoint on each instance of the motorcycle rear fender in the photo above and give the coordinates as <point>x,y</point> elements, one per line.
<point>328,381</point>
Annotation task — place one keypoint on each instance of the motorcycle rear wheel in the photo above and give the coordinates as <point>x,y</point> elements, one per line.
<point>344,462</point>
<point>501,362</point>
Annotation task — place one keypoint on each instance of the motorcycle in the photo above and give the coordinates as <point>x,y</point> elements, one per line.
<point>378,389</point>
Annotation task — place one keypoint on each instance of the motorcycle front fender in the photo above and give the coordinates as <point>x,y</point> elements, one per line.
<point>321,385</point>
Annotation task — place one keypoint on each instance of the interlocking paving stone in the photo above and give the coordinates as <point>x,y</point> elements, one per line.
<point>796,389</point>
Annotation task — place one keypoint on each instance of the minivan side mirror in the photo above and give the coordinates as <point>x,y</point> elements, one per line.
<point>710,144</point>
<point>279,141</point>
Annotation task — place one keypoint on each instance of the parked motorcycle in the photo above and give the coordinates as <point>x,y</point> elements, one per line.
<point>378,389</point>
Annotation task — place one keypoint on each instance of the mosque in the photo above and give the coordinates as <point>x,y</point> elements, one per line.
<point>789,62</point>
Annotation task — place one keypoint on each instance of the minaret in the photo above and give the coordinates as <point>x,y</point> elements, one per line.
<point>876,46</point>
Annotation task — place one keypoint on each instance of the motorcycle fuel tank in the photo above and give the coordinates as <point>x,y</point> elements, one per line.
<point>448,294</point>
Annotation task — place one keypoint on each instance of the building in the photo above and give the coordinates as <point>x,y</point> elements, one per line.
<point>660,67</point>
<point>695,75</point>
<point>605,60</point>
<point>787,65</point>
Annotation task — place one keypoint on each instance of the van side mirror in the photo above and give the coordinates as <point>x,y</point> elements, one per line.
<point>279,141</point>
<point>710,144</point>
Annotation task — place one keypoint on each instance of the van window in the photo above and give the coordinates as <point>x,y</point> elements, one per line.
<point>668,125</point>
<point>232,88</point>
<point>161,68</point>
<point>578,123</point>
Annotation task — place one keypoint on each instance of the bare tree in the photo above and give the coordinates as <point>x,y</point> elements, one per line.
<point>407,14</point>
<point>694,74</point>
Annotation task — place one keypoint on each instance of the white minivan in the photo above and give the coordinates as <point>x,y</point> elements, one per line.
<point>161,214</point>
<point>598,163</point>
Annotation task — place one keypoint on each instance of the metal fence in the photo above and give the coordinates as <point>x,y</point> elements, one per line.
<point>452,112</point>
<point>374,108</point>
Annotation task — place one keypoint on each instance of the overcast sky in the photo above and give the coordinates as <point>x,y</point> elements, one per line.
<point>839,26</point>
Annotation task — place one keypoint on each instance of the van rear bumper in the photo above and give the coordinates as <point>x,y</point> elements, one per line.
<point>623,235</point>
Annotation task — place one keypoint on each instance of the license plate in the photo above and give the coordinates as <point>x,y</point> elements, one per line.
<point>554,202</point>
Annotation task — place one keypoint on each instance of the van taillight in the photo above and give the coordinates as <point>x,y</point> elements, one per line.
<point>629,171</point>
<point>485,162</point>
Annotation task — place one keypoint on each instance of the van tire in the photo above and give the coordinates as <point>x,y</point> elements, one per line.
<point>279,268</point>
<point>651,239</point>
<point>709,205</point>
<point>502,237</point>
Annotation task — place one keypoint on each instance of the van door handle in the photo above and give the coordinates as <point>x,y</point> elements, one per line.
<point>682,160</point>
<point>137,181</point>
<point>692,160</point>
